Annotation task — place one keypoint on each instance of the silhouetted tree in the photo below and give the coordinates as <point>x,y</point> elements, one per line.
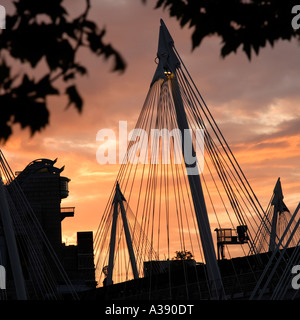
<point>37,32</point>
<point>183,255</point>
<point>247,23</point>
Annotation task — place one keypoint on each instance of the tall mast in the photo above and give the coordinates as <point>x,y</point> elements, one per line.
<point>279,207</point>
<point>118,201</point>
<point>166,69</point>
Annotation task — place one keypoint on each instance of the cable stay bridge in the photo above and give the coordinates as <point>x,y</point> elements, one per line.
<point>182,220</point>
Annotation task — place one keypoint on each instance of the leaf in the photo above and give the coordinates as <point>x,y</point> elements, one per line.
<point>4,72</point>
<point>27,87</point>
<point>69,76</point>
<point>197,37</point>
<point>5,131</point>
<point>99,48</point>
<point>159,4</point>
<point>81,69</point>
<point>6,112</point>
<point>95,42</point>
<point>30,113</point>
<point>74,98</point>
<point>247,49</point>
<point>120,64</point>
<point>44,87</point>
<point>90,25</point>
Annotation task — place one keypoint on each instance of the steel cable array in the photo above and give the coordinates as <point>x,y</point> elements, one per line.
<point>41,281</point>
<point>160,202</point>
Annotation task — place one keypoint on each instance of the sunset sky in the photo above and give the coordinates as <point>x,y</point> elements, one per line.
<point>255,103</point>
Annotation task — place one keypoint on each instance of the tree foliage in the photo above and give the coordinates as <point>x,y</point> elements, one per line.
<point>249,24</point>
<point>183,255</point>
<point>43,32</point>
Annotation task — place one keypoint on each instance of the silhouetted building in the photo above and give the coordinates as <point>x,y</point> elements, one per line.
<point>78,261</point>
<point>45,188</point>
